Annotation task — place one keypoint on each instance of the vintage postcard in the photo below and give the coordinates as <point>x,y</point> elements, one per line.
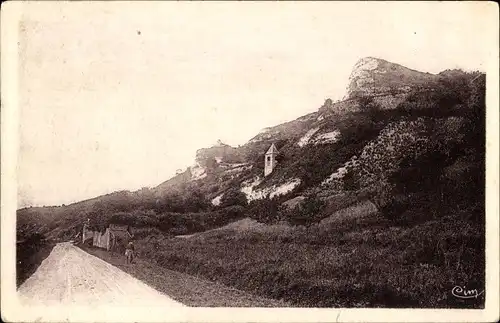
<point>249,161</point>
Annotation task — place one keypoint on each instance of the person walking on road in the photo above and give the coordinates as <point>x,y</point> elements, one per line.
<point>129,253</point>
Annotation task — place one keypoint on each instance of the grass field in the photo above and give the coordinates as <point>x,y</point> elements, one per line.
<point>361,260</point>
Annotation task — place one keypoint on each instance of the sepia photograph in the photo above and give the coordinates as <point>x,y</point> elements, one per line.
<point>249,161</point>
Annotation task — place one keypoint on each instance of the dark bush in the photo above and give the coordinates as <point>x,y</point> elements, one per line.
<point>137,219</point>
<point>233,196</point>
<point>306,213</point>
<point>187,223</point>
<point>394,208</point>
<point>265,210</point>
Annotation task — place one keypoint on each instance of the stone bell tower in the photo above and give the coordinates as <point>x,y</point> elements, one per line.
<point>270,160</point>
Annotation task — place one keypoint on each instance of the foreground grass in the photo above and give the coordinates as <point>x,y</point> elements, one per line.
<point>363,261</point>
<point>187,289</point>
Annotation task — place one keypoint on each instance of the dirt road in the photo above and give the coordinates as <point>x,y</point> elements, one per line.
<point>71,277</point>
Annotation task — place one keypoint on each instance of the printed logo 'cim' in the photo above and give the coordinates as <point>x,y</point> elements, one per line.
<point>462,292</point>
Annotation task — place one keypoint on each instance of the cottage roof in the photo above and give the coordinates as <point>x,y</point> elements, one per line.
<point>272,150</point>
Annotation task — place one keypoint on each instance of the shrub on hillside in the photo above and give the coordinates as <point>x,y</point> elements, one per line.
<point>382,157</point>
<point>408,157</point>
<point>306,213</point>
<point>188,199</point>
<point>136,218</point>
<point>221,217</point>
<point>187,223</point>
<point>233,197</point>
<point>214,188</point>
<point>265,210</point>
<point>232,212</point>
<point>392,207</point>
<point>371,108</point>
<point>144,232</point>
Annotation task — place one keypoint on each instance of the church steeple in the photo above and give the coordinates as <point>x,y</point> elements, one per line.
<point>270,159</point>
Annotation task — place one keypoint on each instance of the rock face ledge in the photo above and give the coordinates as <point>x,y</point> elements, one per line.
<point>373,76</point>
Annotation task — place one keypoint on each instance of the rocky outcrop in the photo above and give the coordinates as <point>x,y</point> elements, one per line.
<point>373,76</point>
<point>285,130</point>
<point>209,157</point>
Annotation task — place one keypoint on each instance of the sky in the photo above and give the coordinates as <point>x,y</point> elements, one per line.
<point>118,96</point>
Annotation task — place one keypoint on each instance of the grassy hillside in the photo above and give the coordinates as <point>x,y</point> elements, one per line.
<point>359,259</point>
